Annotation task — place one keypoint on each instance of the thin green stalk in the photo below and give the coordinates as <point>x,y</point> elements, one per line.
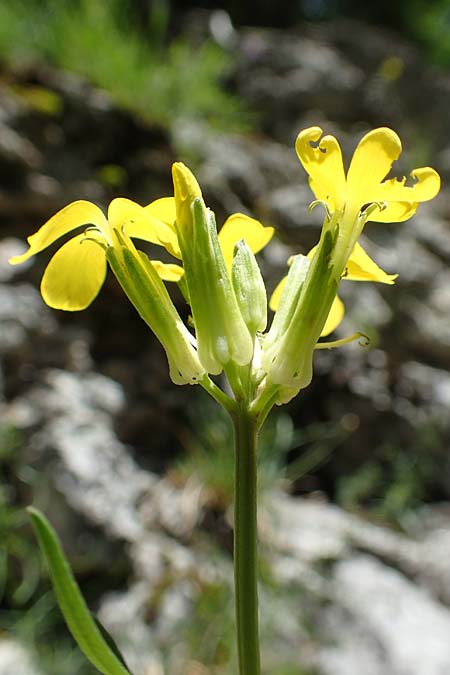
<point>245,541</point>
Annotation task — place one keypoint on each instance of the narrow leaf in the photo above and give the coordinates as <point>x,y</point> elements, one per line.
<point>72,604</point>
<point>112,644</point>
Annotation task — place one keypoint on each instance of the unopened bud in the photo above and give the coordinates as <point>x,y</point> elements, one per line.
<point>249,288</point>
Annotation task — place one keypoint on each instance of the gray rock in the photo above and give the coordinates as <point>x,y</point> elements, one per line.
<point>21,312</point>
<point>15,659</point>
<point>385,622</point>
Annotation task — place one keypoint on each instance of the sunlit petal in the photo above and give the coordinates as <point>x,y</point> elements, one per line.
<point>74,275</point>
<point>168,271</point>
<point>322,160</point>
<point>239,226</point>
<point>164,212</point>
<point>371,162</point>
<point>134,219</point>
<point>426,185</point>
<point>69,218</point>
<point>361,267</point>
<point>163,209</point>
<point>395,212</point>
<point>335,317</point>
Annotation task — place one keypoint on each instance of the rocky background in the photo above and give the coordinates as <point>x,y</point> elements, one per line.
<point>135,473</point>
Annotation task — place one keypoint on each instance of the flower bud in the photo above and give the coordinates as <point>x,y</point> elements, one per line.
<point>186,190</point>
<point>222,335</point>
<point>249,288</point>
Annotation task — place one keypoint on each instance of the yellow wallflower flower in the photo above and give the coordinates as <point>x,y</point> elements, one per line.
<point>363,193</point>
<point>350,200</point>
<point>76,272</point>
<point>345,196</point>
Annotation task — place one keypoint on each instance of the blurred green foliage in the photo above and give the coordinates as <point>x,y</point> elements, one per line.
<point>400,477</point>
<point>209,455</point>
<point>19,567</point>
<point>106,42</point>
<point>430,23</point>
<point>28,610</point>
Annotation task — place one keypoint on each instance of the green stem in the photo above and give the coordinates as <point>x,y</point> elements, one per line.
<point>219,395</point>
<point>245,541</point>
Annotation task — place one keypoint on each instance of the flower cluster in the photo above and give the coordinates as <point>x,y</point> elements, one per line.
<point>218,272</point>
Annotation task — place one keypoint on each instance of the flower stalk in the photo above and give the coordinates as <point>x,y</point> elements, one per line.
<point>245,540</point>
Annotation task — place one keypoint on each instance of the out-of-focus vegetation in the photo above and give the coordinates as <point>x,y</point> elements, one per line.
<point>161,80</point>
<point>431,25</point>
<point>210,458</point>
<point>397,480</point>
<point>26,610</point>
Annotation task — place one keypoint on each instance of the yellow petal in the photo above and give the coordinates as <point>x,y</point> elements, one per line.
<point>168,271</point>
<point>164,212</point>
<point>70,217</point>
<point>395,212</point>
<point>186,189</point>
<point>74,275</point>
<point>163,209</point>
<point>322,160</point>
<point>371,162</point>
<point>124,214</point>
<point>426,186</point>
<point>276,295</point>
<point>360,267</point>
<point>335,317</point>
<point>239,226</point>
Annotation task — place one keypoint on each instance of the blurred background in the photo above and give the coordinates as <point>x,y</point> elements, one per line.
<point>97,100</point>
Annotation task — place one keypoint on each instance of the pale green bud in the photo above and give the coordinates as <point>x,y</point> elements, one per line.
<point>298,268</point>
<point>148,294</point>
<point>249,288</point>
<point>222,335</point>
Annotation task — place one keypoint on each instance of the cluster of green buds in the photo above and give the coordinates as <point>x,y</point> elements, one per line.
<point>219,275</point>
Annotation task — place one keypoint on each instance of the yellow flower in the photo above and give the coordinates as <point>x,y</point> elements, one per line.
<point>76,272</point>
<point>360,196</point>
<point>363,193</point>
<point>307,305</point>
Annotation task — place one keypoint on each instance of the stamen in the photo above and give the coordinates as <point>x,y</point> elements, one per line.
<point>102,244</point>
<point>368,209</point>
<point>364,341</point>
<point>320,202</point>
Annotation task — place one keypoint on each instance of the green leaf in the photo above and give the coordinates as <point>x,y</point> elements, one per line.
<point>112,644</point>
<point>72,604</point>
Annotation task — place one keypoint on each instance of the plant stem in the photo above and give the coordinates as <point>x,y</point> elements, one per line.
<point>245,541</point>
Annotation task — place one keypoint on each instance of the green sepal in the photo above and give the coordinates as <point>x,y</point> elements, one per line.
<point>289,350</point>
<point>249,288</point>
<point>299,266</point>
<point>147,292</point>
<point>222,335</point>
<point>79,619</point>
